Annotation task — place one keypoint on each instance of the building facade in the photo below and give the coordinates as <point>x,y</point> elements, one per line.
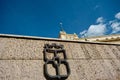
<point>22,58</point>
<point>107,39</point>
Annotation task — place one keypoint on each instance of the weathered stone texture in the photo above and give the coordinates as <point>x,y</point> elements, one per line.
<point>22,59</point>
<point>21,70</point>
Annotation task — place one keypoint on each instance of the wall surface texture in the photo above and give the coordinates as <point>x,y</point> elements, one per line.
<point>22,59</point>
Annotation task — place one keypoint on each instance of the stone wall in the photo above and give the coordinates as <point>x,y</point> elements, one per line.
<point>22,59</point>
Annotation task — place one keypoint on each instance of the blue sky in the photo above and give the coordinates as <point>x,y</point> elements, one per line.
<point>42,17</point>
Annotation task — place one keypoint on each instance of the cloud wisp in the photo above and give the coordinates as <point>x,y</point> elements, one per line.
<point>102,27</point>
<point>100,20</point>
<point>117,15</point>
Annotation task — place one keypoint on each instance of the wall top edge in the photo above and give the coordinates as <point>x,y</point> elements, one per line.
<point>51,39</point>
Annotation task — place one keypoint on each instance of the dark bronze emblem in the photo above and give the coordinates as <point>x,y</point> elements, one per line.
<point>55,61</point>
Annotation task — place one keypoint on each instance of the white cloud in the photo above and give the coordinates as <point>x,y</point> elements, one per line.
<point>102,28</point>
<point>115,25</point>
<point>117,15</point>
<point>96,30</point>
<point>100,20</point>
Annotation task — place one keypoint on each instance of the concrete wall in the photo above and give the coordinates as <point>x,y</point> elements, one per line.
<point>22,59</point>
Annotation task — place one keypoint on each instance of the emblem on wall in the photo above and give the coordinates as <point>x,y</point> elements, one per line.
<point>55,61</point>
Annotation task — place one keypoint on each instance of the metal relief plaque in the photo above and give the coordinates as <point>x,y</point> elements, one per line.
<point>55,61</point>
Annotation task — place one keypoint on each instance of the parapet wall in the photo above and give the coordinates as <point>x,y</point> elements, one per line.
<point>21,58</point>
